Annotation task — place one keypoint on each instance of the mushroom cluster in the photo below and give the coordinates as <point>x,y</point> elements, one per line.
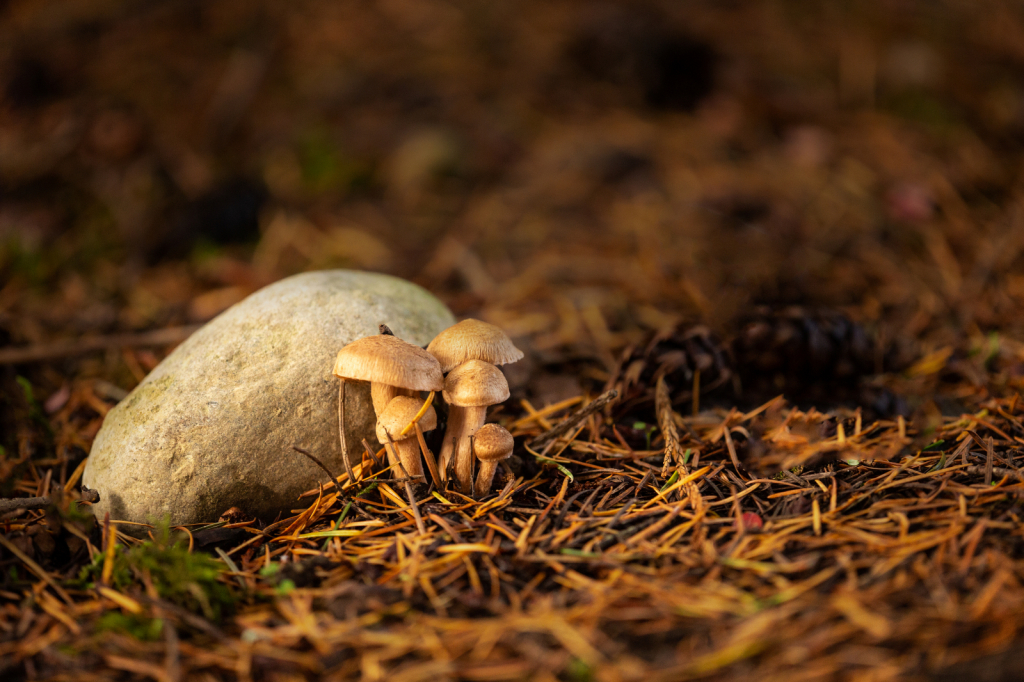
<point>469,353</point>
<point>398,371</point>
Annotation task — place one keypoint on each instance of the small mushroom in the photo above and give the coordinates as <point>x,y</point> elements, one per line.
<point>491,444</point>
<point>392,366</point>
<point>473,340</point>
<point>399,414</point>
<point>469,390</point>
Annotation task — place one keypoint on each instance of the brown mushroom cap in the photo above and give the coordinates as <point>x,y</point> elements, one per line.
<point>492,443</point>
<point>475,384</point>
<point>389,360</point>
<point>399,413</point>
<point>473,340</point>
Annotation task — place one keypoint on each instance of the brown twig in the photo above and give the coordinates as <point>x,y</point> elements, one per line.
<point>570,422</point>
<point>72,347</point>
<point>15,503</point>
<point>989,451</point>
<point>316,461</point>
<point>988,471</point>
<point>373,456</point>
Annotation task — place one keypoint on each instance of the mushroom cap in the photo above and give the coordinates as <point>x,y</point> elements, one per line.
<point>473,340</point>
<point>475,384</point>
<point>397,415</point>
<point>492,443</point>
<point>389,360</point>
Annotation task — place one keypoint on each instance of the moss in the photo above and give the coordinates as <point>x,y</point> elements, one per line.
<point>139,627</point>
<point>578,670</point>
<point>189,579</point>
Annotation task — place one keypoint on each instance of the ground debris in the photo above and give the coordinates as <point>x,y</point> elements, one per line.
<point>794,258</point>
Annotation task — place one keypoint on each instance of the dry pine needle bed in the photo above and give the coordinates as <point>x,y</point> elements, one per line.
<point>719,542</point>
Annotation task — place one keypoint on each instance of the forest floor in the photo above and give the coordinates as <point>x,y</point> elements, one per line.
<point>788,235</point>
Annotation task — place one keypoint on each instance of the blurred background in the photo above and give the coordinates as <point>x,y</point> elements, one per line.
<point>577,172</point>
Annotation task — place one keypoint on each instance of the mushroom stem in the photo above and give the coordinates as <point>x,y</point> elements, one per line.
<point>404,456</point>
<point>391,449</point>
<point>409,454</point>
<point>485,477</point>
<point>456,417</point>
<point>472,419</point>
<point>341,432</point>
<point>382,394</point>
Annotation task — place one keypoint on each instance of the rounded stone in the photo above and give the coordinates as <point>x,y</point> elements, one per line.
<point>213,425</point>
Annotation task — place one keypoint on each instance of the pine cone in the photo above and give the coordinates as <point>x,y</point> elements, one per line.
<point>809,345</point>
<point>676,354</point>
<point>813,356</point>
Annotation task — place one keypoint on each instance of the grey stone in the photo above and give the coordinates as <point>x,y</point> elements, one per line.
<point>212,426</point>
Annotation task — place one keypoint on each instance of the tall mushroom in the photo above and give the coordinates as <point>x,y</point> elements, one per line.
<point>392,366</point>
<point>468,340</point>
<point>473,340</point>
<point>469,390</point>
<point>399,413</point>
<point>491,444</point>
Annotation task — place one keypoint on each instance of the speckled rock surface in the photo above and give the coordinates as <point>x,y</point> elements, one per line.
<point>212,426</point>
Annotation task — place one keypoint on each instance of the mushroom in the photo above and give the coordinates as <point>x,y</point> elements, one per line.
<point>392,421</point>
<point>491,444</point>
<point>392,366</point>
<point>469,390</point>
<point>473,340</point>
<point>469,340</point>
